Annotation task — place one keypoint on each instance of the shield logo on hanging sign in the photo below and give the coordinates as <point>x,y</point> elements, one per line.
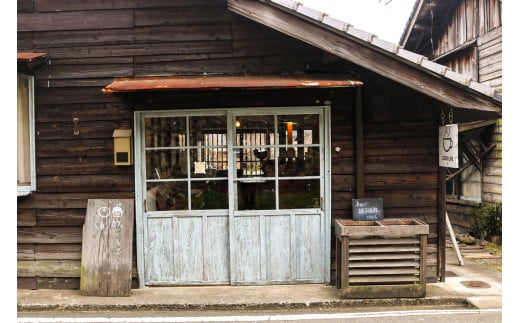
<point>449,146</point>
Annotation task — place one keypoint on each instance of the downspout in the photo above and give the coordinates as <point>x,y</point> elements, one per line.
<point>360,148</point>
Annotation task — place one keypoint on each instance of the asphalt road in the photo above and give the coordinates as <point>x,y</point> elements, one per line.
<point>329,316</point>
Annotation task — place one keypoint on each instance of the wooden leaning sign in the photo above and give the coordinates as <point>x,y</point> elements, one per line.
<point>106,255</point>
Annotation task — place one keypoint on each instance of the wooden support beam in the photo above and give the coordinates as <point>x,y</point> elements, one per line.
<point>360,149</point>
<point>441,226</point>
<point>472,156</point>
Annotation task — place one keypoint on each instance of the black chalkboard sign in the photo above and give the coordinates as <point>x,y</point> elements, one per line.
<point>367,209</point>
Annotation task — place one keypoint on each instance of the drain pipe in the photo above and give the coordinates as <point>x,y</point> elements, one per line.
<point>360,148</point>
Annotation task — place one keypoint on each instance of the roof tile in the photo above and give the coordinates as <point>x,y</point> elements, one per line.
<point>335,23</point>
<point>432,66</point>
<point>457,77</point>
<point>293,5</point>
<point>482,88</point>
<point>311,13</point>
<point>361,34</point>
<point>386,45</point>
<point>411,56</point>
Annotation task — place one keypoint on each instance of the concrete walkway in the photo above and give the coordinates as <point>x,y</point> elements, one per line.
<point>470,285</point>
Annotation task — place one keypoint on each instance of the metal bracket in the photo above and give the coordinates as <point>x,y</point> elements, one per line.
<point>75,121</point>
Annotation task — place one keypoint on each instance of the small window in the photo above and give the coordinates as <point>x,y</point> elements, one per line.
<point>465,183</point>
<point>26,176</point>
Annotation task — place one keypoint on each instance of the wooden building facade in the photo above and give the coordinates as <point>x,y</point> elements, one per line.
<point>467,37</point>
<point>211,91</point>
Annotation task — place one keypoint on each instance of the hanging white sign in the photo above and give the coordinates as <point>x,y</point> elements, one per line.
<point>449,146</point>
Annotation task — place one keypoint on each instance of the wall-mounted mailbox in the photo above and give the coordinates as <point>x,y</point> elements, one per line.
<point>123,147</point>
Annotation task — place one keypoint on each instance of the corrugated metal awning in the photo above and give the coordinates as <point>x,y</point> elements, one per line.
<point>215,82</point>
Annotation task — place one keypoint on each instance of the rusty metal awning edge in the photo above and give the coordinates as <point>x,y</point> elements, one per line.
<point>216,82</point>
<point>27,57</point>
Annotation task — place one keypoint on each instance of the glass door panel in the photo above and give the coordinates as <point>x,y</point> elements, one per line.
<point>186,162</point>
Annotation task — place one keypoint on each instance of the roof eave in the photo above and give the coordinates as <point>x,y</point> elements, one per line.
<point>366,50</point>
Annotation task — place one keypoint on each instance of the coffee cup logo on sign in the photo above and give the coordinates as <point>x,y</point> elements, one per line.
<point>447,144</point>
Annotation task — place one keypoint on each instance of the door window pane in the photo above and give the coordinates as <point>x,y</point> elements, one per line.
<point>206,195</point>
<point>256,195</point>
<point>298,194</point>
<point>208,130</point>
<point>299,145</point>
<point>166,164</point>
<point>165,132</point>
<point>167,196</point>
<point>299,129</point>
<point>255,135</point>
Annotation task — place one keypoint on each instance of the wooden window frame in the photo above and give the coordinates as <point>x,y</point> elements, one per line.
<point>27,189</point>
<point>473,149</point>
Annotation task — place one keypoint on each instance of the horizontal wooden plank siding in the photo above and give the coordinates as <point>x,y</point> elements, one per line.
<point>49,268</point>
<point>400,166</point>
<point>75,20</point>
<point>490,58</point>
<point>49,235</point>
<point>492,169</point>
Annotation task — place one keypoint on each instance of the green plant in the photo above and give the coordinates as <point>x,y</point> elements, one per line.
<point>486,221</point>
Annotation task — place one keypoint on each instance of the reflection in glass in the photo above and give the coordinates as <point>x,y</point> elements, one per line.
<point>165,132</point>
<point>298,194</point>
<point>255,134</point>
<point>207,195</point>
<point>208,162</point>
<point>296,133</point>
<point>254,130</point>
<point>256,195</point>
<point>267,149</point>
<point>299,161</point>
<point>166,163</point>
<point>208,131</point>
<point>167,196</point>
<point>299,129</point>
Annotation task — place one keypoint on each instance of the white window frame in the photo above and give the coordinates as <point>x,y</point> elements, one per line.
<point>24,190</point>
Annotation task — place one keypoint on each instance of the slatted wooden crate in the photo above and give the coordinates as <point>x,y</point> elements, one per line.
<point>380,259</point>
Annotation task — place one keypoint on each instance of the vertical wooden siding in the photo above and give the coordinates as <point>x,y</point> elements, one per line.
<point>478,21</point>
<point>470,20</point>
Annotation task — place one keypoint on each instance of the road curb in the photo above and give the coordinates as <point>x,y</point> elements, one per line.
<point>357,303</point>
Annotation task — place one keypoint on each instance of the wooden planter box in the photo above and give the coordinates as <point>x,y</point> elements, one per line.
<point>381,259</point>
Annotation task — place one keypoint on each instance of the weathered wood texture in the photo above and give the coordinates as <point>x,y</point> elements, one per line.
<point>469,20</point>
<point>106,257</point>
<point>479,23</point>
<point>471,40</point>
<point>382,260</point>
<point>400,164</point>
<point>492,170</point>
<point>120,38</point>
<point>459,212</point>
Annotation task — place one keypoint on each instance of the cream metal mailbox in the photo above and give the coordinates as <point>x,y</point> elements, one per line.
<point>123,147</point>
